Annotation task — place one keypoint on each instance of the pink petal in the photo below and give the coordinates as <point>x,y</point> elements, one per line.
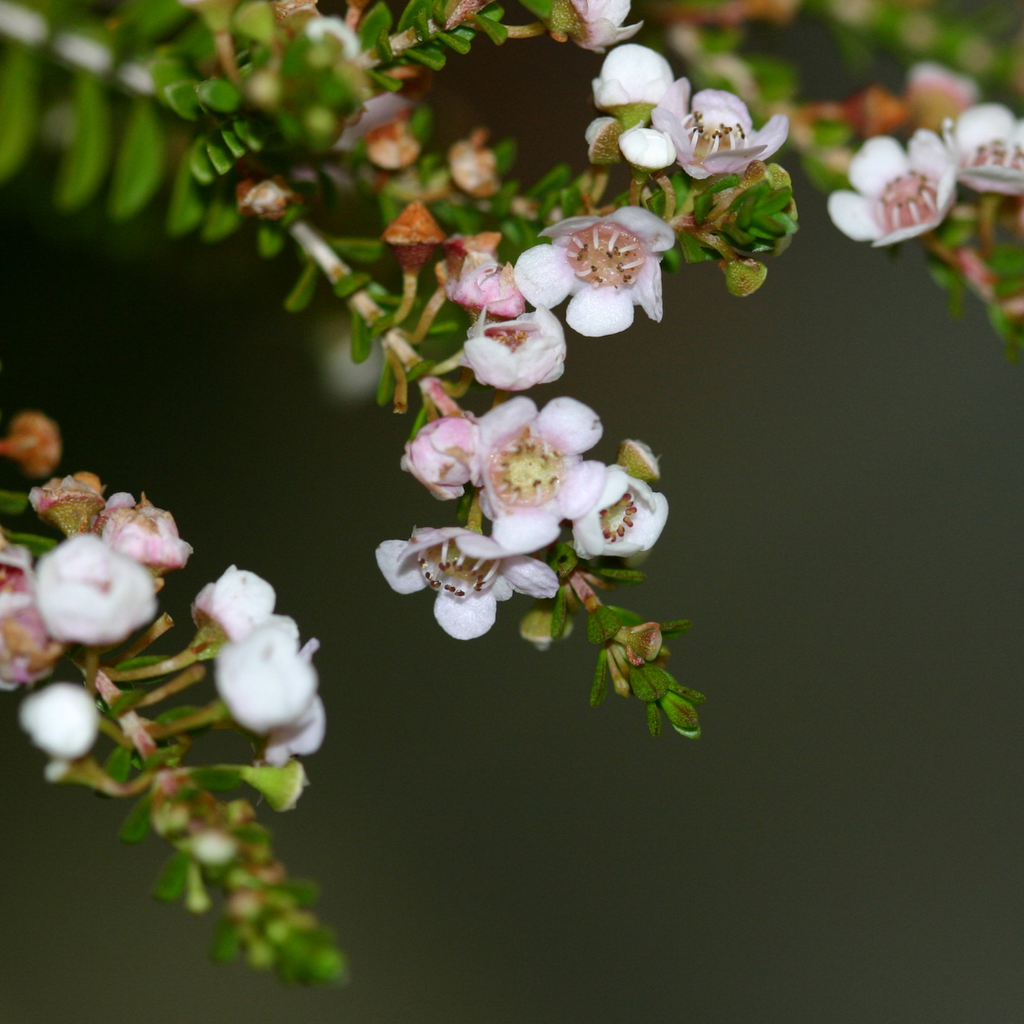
<point>505,422</point>
<point>569,425</point>
<point>651,229</point>
<point>582,489</point>
<point>876,163</point>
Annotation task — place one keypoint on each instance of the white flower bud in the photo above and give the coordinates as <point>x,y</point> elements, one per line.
<point>238,602</point>
<point>213,847</point>
<point>61,720</point>
<point>631,74</point>
<point>89,594</point>
<point>647,148</point>
<point>263,679</point>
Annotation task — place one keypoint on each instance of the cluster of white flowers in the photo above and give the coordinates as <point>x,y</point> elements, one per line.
<point>900,194</point>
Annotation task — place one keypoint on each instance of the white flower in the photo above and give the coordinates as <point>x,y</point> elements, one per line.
<point>647,148</point>
<point>89,594</point>
<point>517,354</point>
<point>716,135</point>
<point>470,574</point>
<point>264,680</point>
<point>987,142</point>
<point>238,602</point>
<point>607,264</point>
<point>631,74</point>
<point>530,472</point>
<point>319,29</point>
<point>597,24</point>
<point>303,736</point>
<point>61,720</point>
<point>899,195</point>
<point>628,518</point>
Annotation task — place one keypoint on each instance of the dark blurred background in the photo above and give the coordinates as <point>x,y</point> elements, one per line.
<point>843,463</point>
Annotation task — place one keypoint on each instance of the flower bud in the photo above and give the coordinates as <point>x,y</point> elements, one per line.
<point>27,652</point>
<point>89,594</point>
<point>644,640</point>
<point>70,503</point>
<point>637,459</point>
<point>263,679</point>
<point>633,80</point>
<point>474,167</point>
<point>602,137</point>
<point>61,720</point>
<point>535,625</point>
<point>484,282</point>
<point>441,455</point>
<point>268,199</point>
<point>681,713</point>
<point>300,10</point>
<point>33,442</point>
<point>235,605</point>
<point>147,534</point>
<point>646,148</point>
<point>935,93</point>
<point>392,146</point>
<point>281,786</point>
<point>744,276</point>
<point>413,236</point>
<point>213,847</point>
<point>459,248</point>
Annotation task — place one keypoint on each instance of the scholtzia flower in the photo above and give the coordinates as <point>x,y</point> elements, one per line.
<point>987,142</point>
<point>629,518</point>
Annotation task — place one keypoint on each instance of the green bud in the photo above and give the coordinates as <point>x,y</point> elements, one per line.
<point>644,640</point>
<point>603,141</point>
<point>637,459</point>
<point>281,786</point>
<point>535,625</point>
<point>744,276</point>
<point>682,714</point>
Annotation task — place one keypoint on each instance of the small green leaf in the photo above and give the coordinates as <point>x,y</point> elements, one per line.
<point>199,161</point>
<point>654,719</point>
<point>351,283</point>
<point>429,55</point>
<point>13,503</point>
<point>173,714</point>
<point>218,94</point>
<point>504,155</point>
<point>677,627</point>
<point>384,81</point>
<point>19,102</point>
<point>419,422</point>
<point>494,30</point>
<point>386,387</point>
<point>140,162</point>
<point>181,97</point>
<point>649,682</point>
<point>557,178</point>
<point>171,883</point>
<point>600,686</point>
<point>602,624</point>
<point>541,8</point>
<point>252,134</point>
<point>219,154</point>
<point>624,576</point>
<point>693,251</point>
<point>119,765</point>
<point>362,250</point>
<point>216,779</point>
<point>302,293</point>
<point>234,143</point>
<point>558,614</point>
<point>361,341</point>
<point>222,219</point>
<point>413,10</point>
<point>187,207</point>
<point>84,163</point>
<point>681,713</point>
<point>36,544</point>
<point>421,124</point>
<point>226,942</point>
<point>376,21</point>
<point>270,240</point>
<point>457,42</point>
<point>563,559</point>
<point>136,824</point>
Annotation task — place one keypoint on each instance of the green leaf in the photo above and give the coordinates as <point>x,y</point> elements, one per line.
<point>362,250</point>
<point>681,713</point>
<point>413,10</point>
<point>625,576</point>
<point>226,942</point>
<point>252,134</point>
<point>557,178</point>
<point>628,618</point>
<point>429,55</point>
<point>649,682</point>
<point>171,883</point>
<point>675,628</point>
<point>456,42</point>
<point>376,21</point>
<point>187,206</point>
<point>421,124</point>
<point>693,251</point>
<point>361,340</point>
<point>13,503</point>
<point>141,661</point>
<point>19,102</point>
<point>140,163</point>
<point>693,696</point>
<point>199,162</point>
<point>563,559</point>
<point>386,387</point>
<point>419,422</point>
<point>173,714</point>
<point>558,614</point>
<point>222,219</point>
<point>270,240</point>
<point>346,286</point>
<point>136,824</point>
<point>84,163</point>
<point>494,30</point>
<point>421,369</point>
<point>219,154</point>
<point>602,624</point>
<point>599,689</point>
<point>218,94</point>
<point>654,719</point>
<point>181,97</point>
<point>215,778</point>
<point>504,155</point>
<point>541,8</point>
<point>119,765</point>
<point>234,143</point>
<point>302,293</point>
<point>36,544</point>
<point>384,81</point>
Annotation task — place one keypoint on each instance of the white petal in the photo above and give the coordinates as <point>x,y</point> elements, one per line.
<point>854,215</point>
<point>876,163</point>
<point>505,422</point>
<point>596,312</point>
<point>466,618</point>
<point>543,275</point>
<point>402,574</point>
<point>928,154</point>
<point>651,229</point>
<point>530,576</point>
<point>582,489</point>
<point>982,124</point>
<point>675,102</point>
<point>647,290</point>
<point>721,107</point>
<point>526,530</point>
<point>772,135</point>
<point>570,425</point>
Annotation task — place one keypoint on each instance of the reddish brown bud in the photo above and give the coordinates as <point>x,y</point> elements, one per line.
<point>268,199</point>
<point>413,236</point>
<point>874,110</point>
<point>33,443</point>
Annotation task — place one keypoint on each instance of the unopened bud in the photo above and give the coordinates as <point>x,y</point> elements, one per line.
<point>268,199</point>
<point>392,146</point>
<point>647,148</point>
<point>638,461</point>
<point>413,236</point>
<point>602,137</point>
<point>744,276</point>
<point>33,442</point>
<point>618,669</point>
<point>281,786</point>
<point>681,713</point>
<point>535,625</point>
<point>70,503</point>
<point>474,167</point>
<point>644,640</point>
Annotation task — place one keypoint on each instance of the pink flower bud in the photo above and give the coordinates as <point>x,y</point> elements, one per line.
<point>483,282</point>
<point>70,503</point>
<point>61,720</point>
<point>27,652</point>
<point>440,456</point>
<point>238,602</point>
<point>89,594</point>
<point>33,442</point>
<point>147,534</point>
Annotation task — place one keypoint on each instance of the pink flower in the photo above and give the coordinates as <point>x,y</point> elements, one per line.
<point>143,532</point>
<point>598,23</point>
<point>89,594</point>
<point>303,736</point>
<point>484,283</point>
<point>628,518</point>
<point>517,354</point>
<point>441,455</point>
<point>607,264</point>
<point>899,195</point>
<point>935,93</point>
<point>238,602</point>
<point>530,471</point>
<point>470,574</point>
<point>716,135</point>
<point>27,652</point>
<point>987,142</point>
